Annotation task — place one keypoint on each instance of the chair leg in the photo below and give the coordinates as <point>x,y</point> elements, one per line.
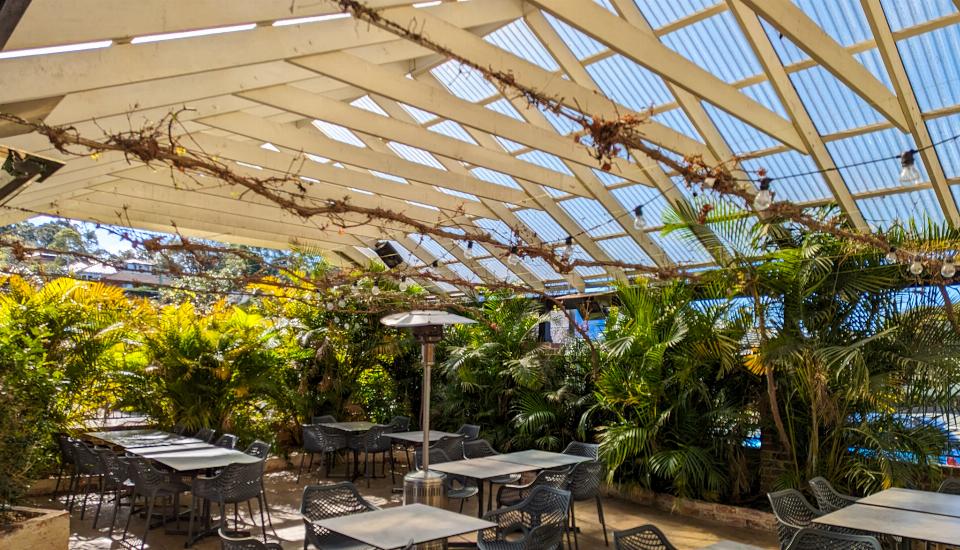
<point>96,516</point>
<point>116,509</point>
<point>86,493</point>
<point>263,493</point>
<point>300,471</point>
<point>193,513</point>
<point>146,526</point>
<point>126,526</point>
<point>462,500</point>
<point>59,476</point>
<point>573,525</point>
<point>263,525</point>
<point>393,468</point>
<point>603,522</point>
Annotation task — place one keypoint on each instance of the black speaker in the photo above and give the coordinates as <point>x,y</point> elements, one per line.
<point>388,254</point>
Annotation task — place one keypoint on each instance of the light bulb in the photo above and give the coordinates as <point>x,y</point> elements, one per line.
<point>342,303</point>
<point>404,284</point>
<point>346,326</point>
<point>892,256</point>
<point>471,252</point>
<point>329,306</point>
<point>949,269</point>
<point>909,174</point>
<point>513,258</point>
<point>638,220</point>
<point>375,290</point>
<point>916,267</point>
<point>567,249</point>
<point>709,182</point>
<point>763,200</point>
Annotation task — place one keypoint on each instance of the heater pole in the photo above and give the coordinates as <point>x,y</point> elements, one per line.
<point>427,351</point>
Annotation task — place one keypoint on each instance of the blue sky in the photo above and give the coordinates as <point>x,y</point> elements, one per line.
<point>108,241</point>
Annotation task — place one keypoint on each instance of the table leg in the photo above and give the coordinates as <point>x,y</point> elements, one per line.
<point>480,483</point>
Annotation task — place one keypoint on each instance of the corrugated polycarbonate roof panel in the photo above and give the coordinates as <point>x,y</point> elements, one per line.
<point>578,253</point>
<point>390,177</point>
<point>625,249</point>
<point>580,44</point>
<point>831,104</point>
<point>504,107</point>
<point>629,84</point>
<point>419,115</point>
<point>407,256</point>
<point>542,224</point>
<point>902,14</point>
<point>932,63</point>
<point>843,20</point>
<point>941,129</point>
<point>464,272</point>
<point>607,178</point>
<point>508,145</point>
<point>740,136</point>
<point>540,269</point>
<point>786,50</point>
<point>368,104</point>
<point>459,194</point>
<point>414,154</point>
<point>553,192</point>
<point>498,270</point>
<point>799,189</point>
<point>562,124</point>
<point>874,145</point>
<point>678,120</point>
<point>433,247</point>
<point>662,12</point>
<point>497,229</point>
<point>681,249</point>
<point>717,45</point>
<point>546,160</point>
<point>493,176</point>
<point>463,82</point>
<point>885,211</point>
<point>654,203</point>
<point>450,128</point>
<point>591,216</point>
<point>517,38</point>
<point>339,133</point>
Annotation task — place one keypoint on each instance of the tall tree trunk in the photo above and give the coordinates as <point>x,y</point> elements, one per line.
<point>768,372</point>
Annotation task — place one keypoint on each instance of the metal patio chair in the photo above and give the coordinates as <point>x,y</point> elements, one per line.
<point>331,501</point>
<point>536,523</point>
<point>644,537</point>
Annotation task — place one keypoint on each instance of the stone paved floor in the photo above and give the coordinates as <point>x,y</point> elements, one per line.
<point>284,496</point>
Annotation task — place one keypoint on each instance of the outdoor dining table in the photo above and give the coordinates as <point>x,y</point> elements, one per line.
<point>395,527</point>
<point>917,501</point>
<point>350,427</point>
<point>544,460</point>
<point>481,469</point>
<point>140,438</point>
<point>416,438</point>
<point>920,526</point>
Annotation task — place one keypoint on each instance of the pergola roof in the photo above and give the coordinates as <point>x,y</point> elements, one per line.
<point>792,87</point>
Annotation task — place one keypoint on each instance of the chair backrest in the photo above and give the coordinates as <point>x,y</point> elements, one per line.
<point>400,424</point>
<point>259,449</point>
<point>585,479</point>
<point>64,443</point>
<point>331,501</point>
<point>114,468</point>
<point>144,476</point>
<point>325,419</point>
<point>556,479</point>
<point>793,513</point>
<point>333,438</point>
<point>437,456</point>
<point>240,482</point>
<point>373,439</point>
<point>227,441</point>
<point>828,499</point>
<point>546,506</point>
<point>205,434</point>
<point>469,431</point>
<point>86,459</point>
<point>478,449</point>
<point>644,537</point>
<point>812,538</point>
<point>451,445</point>
<point>950,486</point>
<point>587,450</point>
<point>230,542</point>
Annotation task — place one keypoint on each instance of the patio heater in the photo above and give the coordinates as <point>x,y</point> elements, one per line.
<point>424,486</point>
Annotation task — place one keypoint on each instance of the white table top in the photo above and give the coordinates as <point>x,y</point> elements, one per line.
<point>151,450</point>
<point>189,460</point>
<point>917,501</point>
<point>891,521</point>
<point>481,468</point>
<point>352,427</point>
<point>540,459</point>
<point>394,527</point>
<point>140,438</point>
<point>417,437</point>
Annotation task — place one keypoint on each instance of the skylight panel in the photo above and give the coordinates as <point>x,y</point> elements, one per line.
<point>545,227</point>
<point>717,45</point>
<point>419,115</point>
<point>493,176</point>
<point>451,129</point>
<point>546,160</point>
<point>497,229</point>
<point>606,5</point>
<point>625,249</point>
<point>311,19</point>
<point>579,43</point>
<point>682,249</point>
<point>386,176</point>
<point>654,204</point>
<point>464,273</point>
<point>459,194</point>
<point>368,104</point>
<point>843,20</point>
<point>874,145</point>
<point>800,189</point>
<point>561,124</point>
<point>270,147</point>
<point>413,154</point>
<point>498,270</point>
<point>422,205</point>
<point>887,210</point>
<point>949,152</point>
<point>433,247</point>
<point>764,94</point>
<point>740,136</point>
<point>902,14</point>
<point>540,269</point>
<point>47,50</point>
<point>361,191</point>
<point>317,158</point>
<point>591,216</point>
<point>932,63</point>
<point>477,250</point>
<point>662,12</point>
<point>554,193</point>
<point>518,39</point>
<point>607,178</point>
<point>831,104</point>
<point>407,256</point>
<point>787,51</point>
<point>628,83</point>
<point>504,107</point>
<point>191,34</point>
<point>578,253</point>
<point>464,82</point>
<point>339,133</point>
<point>510,146</point>
<point>677,120</point>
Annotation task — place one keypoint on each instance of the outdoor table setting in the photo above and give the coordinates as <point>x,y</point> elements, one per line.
<point>350,427</point>
<point>139,438</point>
<point>481,469</point>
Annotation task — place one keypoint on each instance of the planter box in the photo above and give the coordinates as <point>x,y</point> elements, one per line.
<point>47,529</point>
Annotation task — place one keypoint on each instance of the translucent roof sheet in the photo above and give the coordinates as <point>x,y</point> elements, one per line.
<point>540,269</point>
<point>450,128</point>
<point>654,204</point>
<point>497,229</point>
<point>874,145</point>
<point>339,133</point>
<point>414,154</point>
<point>830,103</point>
<point>662,12</point>
<point>580,44</point>
<point>386,176</point>
<point>934,84</point>
<point>458,194</point>
<point>493,176</point>
<point>368,104</point>
<point>902,14</point>
<point>407,256</point>
<point>546,160</point>
<point>591,216</point>
<point>682,248</point>
<point>625,249</point>
<point>629,84</point>
<point>433,247</point>
<point>504,107</point>
<point>949,152</point>
<point>798,189</point>
<point>886,210</point>
<point>463,82</point>
<point>716,44</point>
<point>578,253</point>
<point>498,270</point>
<point>464,272</point>
<point>508,145</point>
<point>419,115</point>
<point>542,224</point>
<point>843,20</point>
<point>519,39</point>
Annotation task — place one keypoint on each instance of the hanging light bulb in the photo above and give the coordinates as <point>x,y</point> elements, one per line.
<point>949,269</point>
<point>709,182</point>
<point>638,220</point>
<point>567,249</point>
<point>329,306</point>
<point>471,252</point>
<point>909,173</point>
<point>916,266</point>
<point>375,289</point>
<point>342,303</point>
<point>892,255</point>
<point>404,284</point>
<point>513,258</point>
<point>764,197</point>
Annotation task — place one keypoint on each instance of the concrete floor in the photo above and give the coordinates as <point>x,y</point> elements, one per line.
<point>284,496</point>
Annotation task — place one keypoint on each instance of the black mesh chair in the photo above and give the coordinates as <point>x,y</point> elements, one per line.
<point>331,501</point>
<point>318,439</point>
<point>645,537</point>
<point>233,484</point>
<point>451,445</point>
<point>205,434</point>
<point>950,486</point>
<point>87,471</point>
<point>482,448</point>
<point>151,484</point>
<point>513,493</point>
<point>261,450</point>
<point>179,429</point>
<point>469,431</point>
<point>793,513</point>
<point>227,441</point>
<point>584,485</point>
<point>232,542</point>
<point>457,487</point>
<point>324,419</point>
<point>399,424</point>
<point>115,480</point>
<point>66,459</point>
<point>828,499</point>
<point>812,538</point>
<point>536,523</point>
<point>586,450</point>
<point>372,443</point>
